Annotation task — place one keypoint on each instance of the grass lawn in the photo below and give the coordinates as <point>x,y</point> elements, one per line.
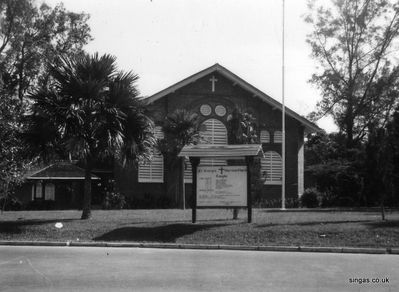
<point>293,228</point>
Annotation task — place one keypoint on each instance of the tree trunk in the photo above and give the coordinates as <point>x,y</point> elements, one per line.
<point>173,180</point>
<point>5,198</point>
<point>86,213</point>
<point>349,125</point>
<point>382,211</point>
<point>21,74</point>
<point>235,213</point>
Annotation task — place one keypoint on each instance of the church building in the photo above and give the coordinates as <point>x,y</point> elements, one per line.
<point>213,94</point>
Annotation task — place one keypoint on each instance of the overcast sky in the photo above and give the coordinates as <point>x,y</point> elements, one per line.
<point>165,41</point>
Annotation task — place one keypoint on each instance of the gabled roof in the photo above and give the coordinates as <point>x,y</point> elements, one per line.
<point>309,126</point>
<point>221,151</point>
<point>60,171</point>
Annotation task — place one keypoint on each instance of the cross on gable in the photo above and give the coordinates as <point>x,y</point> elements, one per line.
<point>213,80</point>
<point>221,170</point>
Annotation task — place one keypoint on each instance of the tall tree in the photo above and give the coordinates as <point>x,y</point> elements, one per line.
<point>180,128</point>
<point>11,150</point>
<point>353,41</point>
<point>393,139</point>
<point>93,113</point>
<point>380,162</point>
<point>31,36</point>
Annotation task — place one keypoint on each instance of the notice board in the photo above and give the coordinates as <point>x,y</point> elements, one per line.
<point>222,186</point>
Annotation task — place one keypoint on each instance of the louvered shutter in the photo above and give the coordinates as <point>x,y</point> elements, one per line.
<point>152,171</point>
<point>158,133</point>
<point>278,137</point>
<point>264,136</point>
<point>271,166</point>
<point>188,172</point>
<point>215,133</point>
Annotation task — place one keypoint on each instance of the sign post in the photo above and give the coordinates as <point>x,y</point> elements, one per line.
<point>194,163</point>
<point>249,160</point>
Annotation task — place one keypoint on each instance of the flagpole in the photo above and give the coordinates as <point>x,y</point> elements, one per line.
<point>283,113</point>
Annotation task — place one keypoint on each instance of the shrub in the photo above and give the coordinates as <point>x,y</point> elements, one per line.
<point>345,202</point>
<point>274,203</point>
<point>310,198</point>
<point>114,200</point>
<point>328,199</point>
<point>337,179</point>
<point>149,201</point>
<point>40,205</point>
<point>164,202</point>
<point>292,203</point>
<point>11,203</point>
<point>266,203</point>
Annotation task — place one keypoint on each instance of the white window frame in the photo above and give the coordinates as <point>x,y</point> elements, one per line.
<point>38,191</point>
<point>49,192</point>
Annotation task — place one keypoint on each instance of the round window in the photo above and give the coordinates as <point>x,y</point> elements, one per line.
<point>205,109</point>
<point>220,110</point>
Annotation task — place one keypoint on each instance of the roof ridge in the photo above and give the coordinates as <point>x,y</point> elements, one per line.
<point>41,169</point>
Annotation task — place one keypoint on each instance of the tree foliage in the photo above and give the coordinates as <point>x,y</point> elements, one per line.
<point>382,164</point>
<point>180,128</point>
<point>353,42</point>
<point>12,160</point>
<point>91,112</point>
<point>364,176</point>
<point>32,36</point>
<point>242,128</point>
<point>337,170</point>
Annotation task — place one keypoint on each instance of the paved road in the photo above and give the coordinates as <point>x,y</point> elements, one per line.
<point>141,269</point>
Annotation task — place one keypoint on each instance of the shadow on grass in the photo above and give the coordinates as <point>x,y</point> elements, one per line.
<point>383,224</point>
<point>184,221</point>
<point>15,226</point>
<point>328,210</point>
<point>314,223</point>
<point>166,233</point>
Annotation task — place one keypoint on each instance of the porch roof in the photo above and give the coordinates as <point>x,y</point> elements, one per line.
<point>222,151</point>
<point>60,171</point>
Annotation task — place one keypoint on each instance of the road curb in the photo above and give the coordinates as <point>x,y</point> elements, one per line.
<point>317,249</point>
<point>34,243</point>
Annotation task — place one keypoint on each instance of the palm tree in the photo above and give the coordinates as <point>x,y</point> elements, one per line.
<point>93,113</point>
<point>180,128</point>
